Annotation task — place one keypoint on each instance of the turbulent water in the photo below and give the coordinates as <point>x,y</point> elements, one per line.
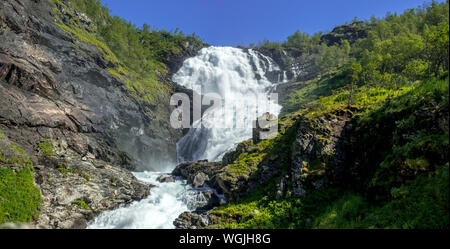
<point>158,211</point>
<point>238,78</point>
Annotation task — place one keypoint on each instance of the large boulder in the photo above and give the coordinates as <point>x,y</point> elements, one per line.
<point>200,179</point>
<point>198,173</point>
<point>318,153</point>
<point>190,220</point>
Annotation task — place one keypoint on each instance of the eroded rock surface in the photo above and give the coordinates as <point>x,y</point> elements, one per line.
<point>77,188</point>
<point>55,88</point>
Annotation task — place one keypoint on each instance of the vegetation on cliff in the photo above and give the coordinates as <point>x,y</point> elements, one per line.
<point>390,91</point>
<point>20,199</point>
<point>138,56</point>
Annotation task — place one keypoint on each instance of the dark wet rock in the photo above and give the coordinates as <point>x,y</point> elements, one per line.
<point>294,67</point>
<point>65,181</point>
<point>231,185</point>
<point>188,49</point>
<point>42,67</point>
<point>209,201</point>
<point>278,55</point>
<point>165,179</point>
<point>75,180</point>
<point>200,172</point>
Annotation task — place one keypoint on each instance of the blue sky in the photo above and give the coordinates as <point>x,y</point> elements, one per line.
<point>234,22</point>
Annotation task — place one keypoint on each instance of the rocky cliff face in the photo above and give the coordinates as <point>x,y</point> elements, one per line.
<point>350,32</point>
<point>310,154</point>
<point>56,88</point>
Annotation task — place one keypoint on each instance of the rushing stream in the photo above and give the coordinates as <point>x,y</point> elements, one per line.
<point>164,204</point>
<point>238,77</point>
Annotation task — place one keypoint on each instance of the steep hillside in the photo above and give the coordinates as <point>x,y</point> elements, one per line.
<point>363,142</point>
<point>83,103</point>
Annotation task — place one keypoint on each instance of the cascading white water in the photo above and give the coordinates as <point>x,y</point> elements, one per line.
<point>238,77</point>
<point>158,211</point>
<point>163,205</point>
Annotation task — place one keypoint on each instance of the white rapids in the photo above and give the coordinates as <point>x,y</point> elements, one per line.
<point>238,77</point>
<point>158,211</point>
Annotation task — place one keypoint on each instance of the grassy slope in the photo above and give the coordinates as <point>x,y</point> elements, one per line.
<point>19,198</point>
<point>420,201</point>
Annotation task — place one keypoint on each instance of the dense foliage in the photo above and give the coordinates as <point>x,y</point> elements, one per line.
<point>398,48</point>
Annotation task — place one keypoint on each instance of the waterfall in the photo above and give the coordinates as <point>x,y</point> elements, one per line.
<point>238,77</point>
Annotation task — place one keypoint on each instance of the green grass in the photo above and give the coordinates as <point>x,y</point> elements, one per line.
<point>323,96</point>
<point>20,200</point>
<point>249,161</point>
<point>412,145</point>
<point>424,204</point>
<point>311,91</point>
<point>261,210</point>
<point>143,87</point>
<point>46,148</point>
<point>81,204</point>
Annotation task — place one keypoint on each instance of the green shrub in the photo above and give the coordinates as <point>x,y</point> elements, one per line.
<point>46,148</point>
<point>82,204</point>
